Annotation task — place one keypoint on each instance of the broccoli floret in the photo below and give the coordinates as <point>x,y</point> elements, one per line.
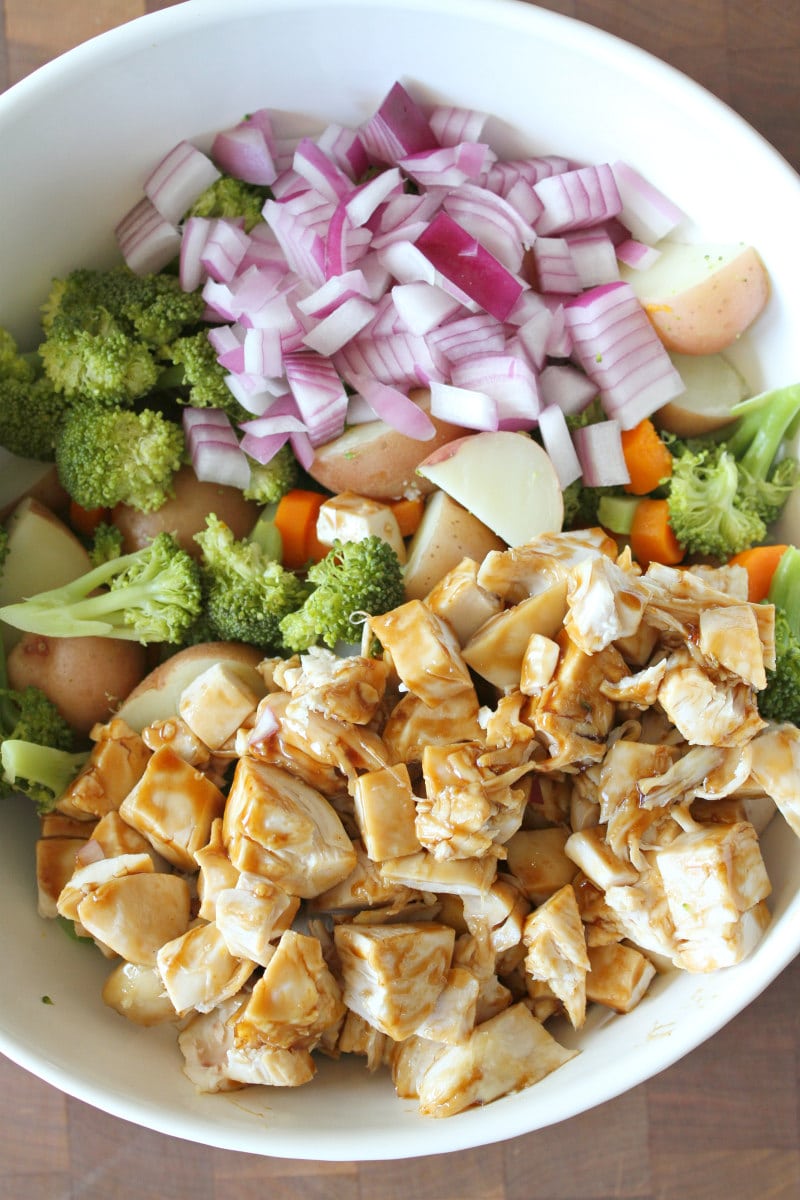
<point>269,482</point>
<point>150,595</point>
<point>106,544</point>
<point>30,408</point>
<point>110,455</point>
<point>247,594</point>
<point>780,700</point>
<point>353,580</point>
<point>229,197</point>
<point>201,376</point>
<point>104,331</point>
<point>40,772</point>
<point>13,365</point>
<point>724,492</point>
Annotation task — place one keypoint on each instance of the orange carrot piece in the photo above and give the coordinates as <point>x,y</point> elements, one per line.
<point>651,537</point>
<point>760,562</point>
<point>408,514</point>
<point>86,520</point>
<point>296,521</point>
<point>647,458</point>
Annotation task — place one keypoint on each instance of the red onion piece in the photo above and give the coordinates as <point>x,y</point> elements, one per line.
<point>303,248</point>
<point>398,359</point>
<point>363,201</point>
<point>448,166</point>
<point>302,448</point>
<point>423,306</point>
<point>557,441</point>
<point>244,153</point>
<point>263,449</point>
<point>326,299</point>
<point>214,448</point>
<point>146,240</point>
<point>566,386</point>
<point>599,450</point>
<point>261,352</point>
<point>468,337</point>
<point>645,211</point>
<point>577,199</point>
<point>178,179</point>
<point>593,255</point>
<point>636,254</point>
<point>346,149</point>
<point>453,125</point>
<point>492,221</point>
<point>395,408</point>
<point>333,331</point>
<point>319,394</point>
<point>555,269</point>
<point>460,258</point>
<point>463,406</point>
<point>320,171</point>
<point>224,250</point>
<point>399,127</point>
<point>191,271</point>
<point>507,380</point>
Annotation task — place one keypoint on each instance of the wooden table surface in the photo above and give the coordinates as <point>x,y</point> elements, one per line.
<point>724,1123</point>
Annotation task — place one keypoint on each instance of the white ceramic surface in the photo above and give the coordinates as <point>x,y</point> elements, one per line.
<point>76,140</point>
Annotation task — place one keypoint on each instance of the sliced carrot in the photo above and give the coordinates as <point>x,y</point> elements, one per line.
<point>647,458</point>
<point>86,520</point>
<point>652,539</point>
<point>296,521</point>
<point>408,514</point>
<point>760,562</point>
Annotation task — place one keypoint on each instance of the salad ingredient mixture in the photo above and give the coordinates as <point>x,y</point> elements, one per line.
<point>419,485</point>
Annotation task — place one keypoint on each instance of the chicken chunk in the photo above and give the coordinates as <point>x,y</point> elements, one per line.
<point>556,951</point>
<point>604,603</point>
<point>497,648</point>
<point>707,711</point>
<point>526,570</point>
<point>618,976</point>
<point>251,915</point>
<point>348,517</point>
<point>538,862</point>
<point>460,600</point>
<point>173,731</point>
<point>173,805</point>
<point>425,652</point>
<point>384,809</point>
<point>393,974</point>
<point>504,1054</point>
<point>346,689</point>
<point>205,1042</point>
<point>729,638</point>
<point>116,763</point>
<point>55,866</point>
<point>134,915</point>
<point>426,873</point>
<point>294,1001</point>
<point>775,768</point>
<point>138,993</point>
<point>277,826</point>
<point>455,1010</point>
<point>216,703</point>
<point>216,871</point>
<point>412,725</point>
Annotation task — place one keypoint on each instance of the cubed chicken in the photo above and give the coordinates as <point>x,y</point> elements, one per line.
<point>277,826</point>
<point>641,913</point>
<point>55,866</point>
<point>460,600</point>
<point>216,703</point>
<point>114,835</point>
<point>496,650</point>
<point>525,570</point>
<point>357,1036</point>
<point>729,638</point>
<point>462,876</point>
<point>347,689</point>
<point>205,1041</point>
<point>498,915</point>
<point>174,732</point>
<point>775,768</point>
<point>198,970</point>
<point>604,603</point>
<point>708,711</point>
<point>363,889</point>
<point>589,850</point>
<point>619,976</point>
<point>269,1066</point>
<point>251,915</point>
<point>538,664</point>
<point>294,1001</point>
<point>88,876</point>
<point>455,1010</point>
<point>384,809</point>
<point>413,725</point>
<point>348,517</point>
<point>425,652</point>
<point>711,877</point>
<point>538,862</point>
<point>506,1053</point>
<point>138,993</point>
<point>116,763</point>
<point>216,871</point>
<point>393,974</point>
<point>556,951</point>
<point>173,805</point>
<point>134,915</point>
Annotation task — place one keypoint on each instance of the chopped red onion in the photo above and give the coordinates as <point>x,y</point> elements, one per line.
<point>261,352</point>
<point>324,300</point>
<point>303,248</point>
<point>214,448</point>
<point>423,306</point>
<point>463,406</point>
<point>224,250</point>
<point>345,148</point>
<point>179,178</point>
<point>399,359</point>
<point>146,240</point>
<point>362,201</point>
<point>320,171</point>
<point>453,125</point>
<point>395,408</point>
<point>358,411</point>
<point>557,441</point>
<point>534,336</point>
<point>645,211</point>
<point>448,166</point>
<point>399,127</point>
<point>566,386</point>
<point>468,337</point>
<point>577,199</point>
<point>191,271</point>
<point>263,449</point>
<point>340,326</point>
<point>490,219</point>
<point>459,257</point>
<point>636,254</point>
<point>555,269</point>
<point>318,392</point>
<point>599,450</point>
<point>507,380</point>
<point>244,153</point>
<point>593,256</point>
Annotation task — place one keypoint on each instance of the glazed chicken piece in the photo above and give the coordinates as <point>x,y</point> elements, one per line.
<point>174,732</point>
<point>556,951</point>
<point>269,1066</point>
<point>346,689</point>
<point>509,1051</point>
<point>198,970</point>
<point>326,742</point>
<point>538,664</point>
<point>173,805</point>
<point>357,1036</point>
<point>85,878</point>
<point>618,976</point>
<point>497,649</point>
<point>455,1010</point>
<point>116,763</point>
<point>205,1042</point>
<point>641,911</point>
<point>497,916</point>
<point>640,689</point>
<point>538,863</point>
<point>385,812</point>
<point>393,974</point>
<point>730,579</point>
<point>604,603</point>
<point>426,873</point>
<point>251,915</point>
<point>589,850</point>
<point>467,811</point>
<point>134,915</point>
<point>138,993</point>
<point>712,877</point>
<point>730,639</point>
<point>706,710</point>
<point>282,751</point>
<point>460,600</point>
<point>277,826</point>
<point>348,517</point>
<point>425,653</point>
<point>526,570</point>
<point>412,725</point>
<point>216,703</point>
<point>294,1001</point>
<point>216,872</point>
<point>364,889</point>
<point>775,768</point>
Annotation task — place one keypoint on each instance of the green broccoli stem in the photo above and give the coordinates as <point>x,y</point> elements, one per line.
<point>762,426</point>
<point>44,765</point>
<point>784,591</point>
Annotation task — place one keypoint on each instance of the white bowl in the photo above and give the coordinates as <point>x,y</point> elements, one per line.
<point>76,140</point>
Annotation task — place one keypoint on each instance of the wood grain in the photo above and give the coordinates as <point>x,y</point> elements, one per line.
<point>722,1124</point>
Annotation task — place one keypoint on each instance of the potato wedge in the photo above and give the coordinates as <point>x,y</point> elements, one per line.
<point>713,387</point>
<point>446,534</point>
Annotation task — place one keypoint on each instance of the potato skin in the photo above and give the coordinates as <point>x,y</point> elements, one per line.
<point>85,677</point>
<point>185,514</point>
